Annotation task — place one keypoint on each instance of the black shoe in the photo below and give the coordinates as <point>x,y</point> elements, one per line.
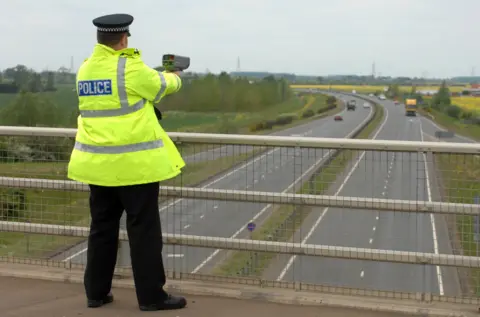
<point>94,303</point>
<point>170,303</point>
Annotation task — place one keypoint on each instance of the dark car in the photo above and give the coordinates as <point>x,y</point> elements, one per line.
<point>338,118</point>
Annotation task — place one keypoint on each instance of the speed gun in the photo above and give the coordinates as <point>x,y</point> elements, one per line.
<point>175,63</point>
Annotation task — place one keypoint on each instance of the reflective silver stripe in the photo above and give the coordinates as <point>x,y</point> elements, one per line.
<point>163,86</point>
<point>112,112</point>
<point>122,94</point>
<point>178,82</point>
<point>118,149</point>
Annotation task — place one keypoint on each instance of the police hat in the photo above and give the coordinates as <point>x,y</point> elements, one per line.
<point>113,23</point>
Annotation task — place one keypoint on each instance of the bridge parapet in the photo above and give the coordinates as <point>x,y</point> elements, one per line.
<point>373,218</point>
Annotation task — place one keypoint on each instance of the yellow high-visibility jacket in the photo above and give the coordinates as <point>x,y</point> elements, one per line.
<point>119,140</point>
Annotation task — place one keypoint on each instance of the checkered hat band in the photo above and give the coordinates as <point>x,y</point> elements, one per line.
<point>123,29</point>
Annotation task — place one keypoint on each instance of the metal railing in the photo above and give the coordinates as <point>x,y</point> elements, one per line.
<point>380,218</point>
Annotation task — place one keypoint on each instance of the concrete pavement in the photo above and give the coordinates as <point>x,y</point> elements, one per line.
<point>36,298</point>
<point>378,175</point>
<point>276,170</point>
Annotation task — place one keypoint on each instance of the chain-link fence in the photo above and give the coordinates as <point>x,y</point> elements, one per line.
<point>383,218</point>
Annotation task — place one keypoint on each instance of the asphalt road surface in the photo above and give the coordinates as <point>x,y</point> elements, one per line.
<point>230,150</point>
<point>379,175</point>
<point>275,171</point>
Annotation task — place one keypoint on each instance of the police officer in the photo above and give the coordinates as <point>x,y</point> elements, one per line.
<point>123,153</point>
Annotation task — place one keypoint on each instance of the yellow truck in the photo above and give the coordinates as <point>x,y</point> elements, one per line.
<point>411,107</point>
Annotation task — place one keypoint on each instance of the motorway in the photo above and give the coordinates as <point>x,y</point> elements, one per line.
<point>279,169</point>
<point>378,175</point>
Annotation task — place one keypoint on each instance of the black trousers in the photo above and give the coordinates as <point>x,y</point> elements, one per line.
<point>145,238</point>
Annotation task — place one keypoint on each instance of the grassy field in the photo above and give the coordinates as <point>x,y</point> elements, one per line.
<point>372,89</point>
<point>284,221</point>
<point>176,121</point>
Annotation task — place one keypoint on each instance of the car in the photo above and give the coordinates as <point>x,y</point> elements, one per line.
<point>338,118</point>
<point>396,102</point>
<point>366,105</point>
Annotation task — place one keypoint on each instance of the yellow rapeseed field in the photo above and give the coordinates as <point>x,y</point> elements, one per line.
<point>372,89</point>
<point>467,103</point>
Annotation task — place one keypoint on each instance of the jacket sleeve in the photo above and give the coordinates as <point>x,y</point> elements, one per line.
<point>151,84</point>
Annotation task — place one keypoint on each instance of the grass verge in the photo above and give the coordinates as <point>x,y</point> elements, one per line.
<point>459,183</point>
<point>451,124</point>
<point>284,221</point>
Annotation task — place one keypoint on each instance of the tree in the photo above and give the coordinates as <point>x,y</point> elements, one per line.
<point>35,83</point>
<point>441,99</point>
<point>413,91</point>
<point>393,91</point>
<point>50,86</point>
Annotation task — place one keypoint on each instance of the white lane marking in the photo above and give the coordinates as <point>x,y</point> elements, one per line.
<point>370,241</point>
<point>75,255</point>
<point>254,161</point>
<point>242,228</point>
<point>362,274</point>
<point>215,207</point>
<point>175,255</point>
<point>376,218</point>
<point>320,218</point>
<point>186,226</point>
<point>432,219</point>
<point>374,228</point>
<point>201,217</point>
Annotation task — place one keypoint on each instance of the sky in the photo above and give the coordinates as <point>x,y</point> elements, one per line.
<point>437,38</point>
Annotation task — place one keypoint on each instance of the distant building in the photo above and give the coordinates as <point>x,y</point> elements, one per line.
<point>427,92</point>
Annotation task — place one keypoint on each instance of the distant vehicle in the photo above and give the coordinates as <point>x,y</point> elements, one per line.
<point>382,97</point>
<point>396,102</point>
<point>338,118</point>
<point>351,105</point>
<point>366,105</point>
<point>411,107</point>
<point>354,91</point>
<point>371,95</point>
